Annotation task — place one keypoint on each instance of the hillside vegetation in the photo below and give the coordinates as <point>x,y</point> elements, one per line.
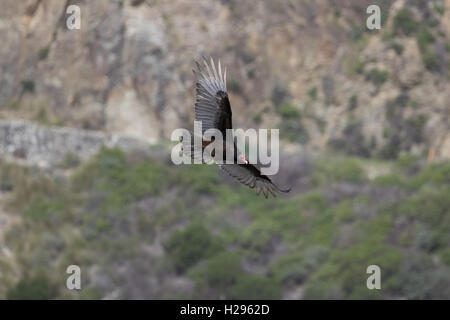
<point>145,229</point>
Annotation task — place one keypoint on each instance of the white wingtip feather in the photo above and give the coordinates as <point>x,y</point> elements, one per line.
<point>220,73</point>
<point>214,69</point>
<point>225,78</point>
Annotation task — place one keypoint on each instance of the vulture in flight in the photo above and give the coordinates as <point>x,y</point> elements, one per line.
<point>212,107</point>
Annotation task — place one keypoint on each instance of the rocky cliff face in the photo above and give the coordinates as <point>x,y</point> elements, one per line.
<point>36,145</point>
<point>310,68</point>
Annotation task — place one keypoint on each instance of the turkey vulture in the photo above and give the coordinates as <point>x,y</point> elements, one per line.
<point>212,107</point>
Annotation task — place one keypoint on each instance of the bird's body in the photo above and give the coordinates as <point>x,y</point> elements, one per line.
<point>213,109</point>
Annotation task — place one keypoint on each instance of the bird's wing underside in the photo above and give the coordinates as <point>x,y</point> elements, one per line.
<point>212,106</point>
<point>250,176</point>
<point>195,151</point>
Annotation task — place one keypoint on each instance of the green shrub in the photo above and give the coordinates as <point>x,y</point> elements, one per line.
<point>290,269</point>
<point>358,66</point>
<point>46,211</point>
<point>71,160</point>
<point>377,77</point>
<point>38,287</point>
<point>424,38</point>
<point>256,287</point>
<point>425,41</point>
<point>391,149</point>
<point>406,161</point>
<point>344,274</point>
<point>352,142</point>
<point>6,178</point>
<point>105,168</point>
<point>187,247</point>
<point>145,179</point>
<point>415,126</point>
<point>414,277</point>
<point>337,13</point>
<point>312,93</point>
<point>200,178</point>
<point>344,211</point>
<point>430,206</point>
<point>423,238</point>
<point>91,293</point>
<point>437,173</point>
<point>220,274</point>
<point>397,47</point>
<point>405,23</point>
<point>447,46</point>
<point>433,22</point>
<point>12,104</point>
<point>279,94</point>
<point>108,172</point>
<point>353,102</point>
<point>28,86</point>
<point>257,118</point>
<point>42,116</point>
<point>29,189</point>
<point>287,111</point>
<point>235,86</point>
<point>356,33</point>
<point>444,255</point>
<point>313,200</point>
<point>323,290</point>
<point>291,126</point>
<point>338,169</point>
<point>431,60</point>
<point>439,8</point>
<point>295,268</point>
<point>43,53</point>
<point>258,236</point>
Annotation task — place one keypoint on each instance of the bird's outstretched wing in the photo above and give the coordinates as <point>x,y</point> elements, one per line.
<point>212,106</point>
<point>251,176</point>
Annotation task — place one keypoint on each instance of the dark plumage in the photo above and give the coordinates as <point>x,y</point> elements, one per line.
<point>212,107</point>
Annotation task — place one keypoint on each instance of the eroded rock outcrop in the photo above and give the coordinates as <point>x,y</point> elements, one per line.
<point>32,144</point>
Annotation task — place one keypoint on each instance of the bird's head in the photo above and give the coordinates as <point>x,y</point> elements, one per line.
<point>243,159</point>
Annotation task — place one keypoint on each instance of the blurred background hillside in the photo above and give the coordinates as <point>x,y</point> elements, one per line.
<point>85,171</point>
